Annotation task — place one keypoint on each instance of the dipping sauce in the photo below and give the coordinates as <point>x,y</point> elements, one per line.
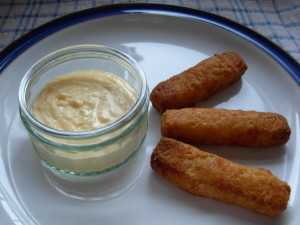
<point>83,100</point>
<point>87,126</point>
<point>87,100</point>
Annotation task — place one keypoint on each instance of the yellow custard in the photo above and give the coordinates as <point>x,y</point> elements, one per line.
<point>83,100</point>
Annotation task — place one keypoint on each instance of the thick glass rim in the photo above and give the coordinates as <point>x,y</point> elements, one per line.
<point>90,133</point>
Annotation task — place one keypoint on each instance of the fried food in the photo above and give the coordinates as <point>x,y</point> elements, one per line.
<point>199,82</point>
<point>208,175</point>
<point>225,127</point>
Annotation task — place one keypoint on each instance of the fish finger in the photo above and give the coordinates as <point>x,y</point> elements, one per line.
<point>199,82</point>
<point>225,127</point>
<point>208,175</point>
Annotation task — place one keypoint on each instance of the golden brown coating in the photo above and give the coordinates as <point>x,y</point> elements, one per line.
<point>199,82</point>
<point>226,127</point>
<point>208,175</point>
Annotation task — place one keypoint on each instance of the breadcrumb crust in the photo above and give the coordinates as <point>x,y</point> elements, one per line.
<point>227,127</point>
<point>199,82</point>
<point>208,175</point>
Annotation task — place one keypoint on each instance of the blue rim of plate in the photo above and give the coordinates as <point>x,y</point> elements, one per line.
<point>8,54</point>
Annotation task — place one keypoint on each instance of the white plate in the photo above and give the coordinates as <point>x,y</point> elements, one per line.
<point>165,40</point>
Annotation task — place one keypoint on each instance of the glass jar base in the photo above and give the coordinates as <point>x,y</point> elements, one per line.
<point>102,186</point>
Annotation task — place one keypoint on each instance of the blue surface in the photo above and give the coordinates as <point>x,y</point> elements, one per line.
<point>20,45</point>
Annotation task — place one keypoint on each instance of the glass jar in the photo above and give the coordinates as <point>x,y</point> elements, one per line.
<point>93,164</point>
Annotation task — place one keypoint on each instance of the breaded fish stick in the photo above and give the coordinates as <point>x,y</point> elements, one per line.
<point>199,82</point>
<point>225,127</point>
<point>208,175</point>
